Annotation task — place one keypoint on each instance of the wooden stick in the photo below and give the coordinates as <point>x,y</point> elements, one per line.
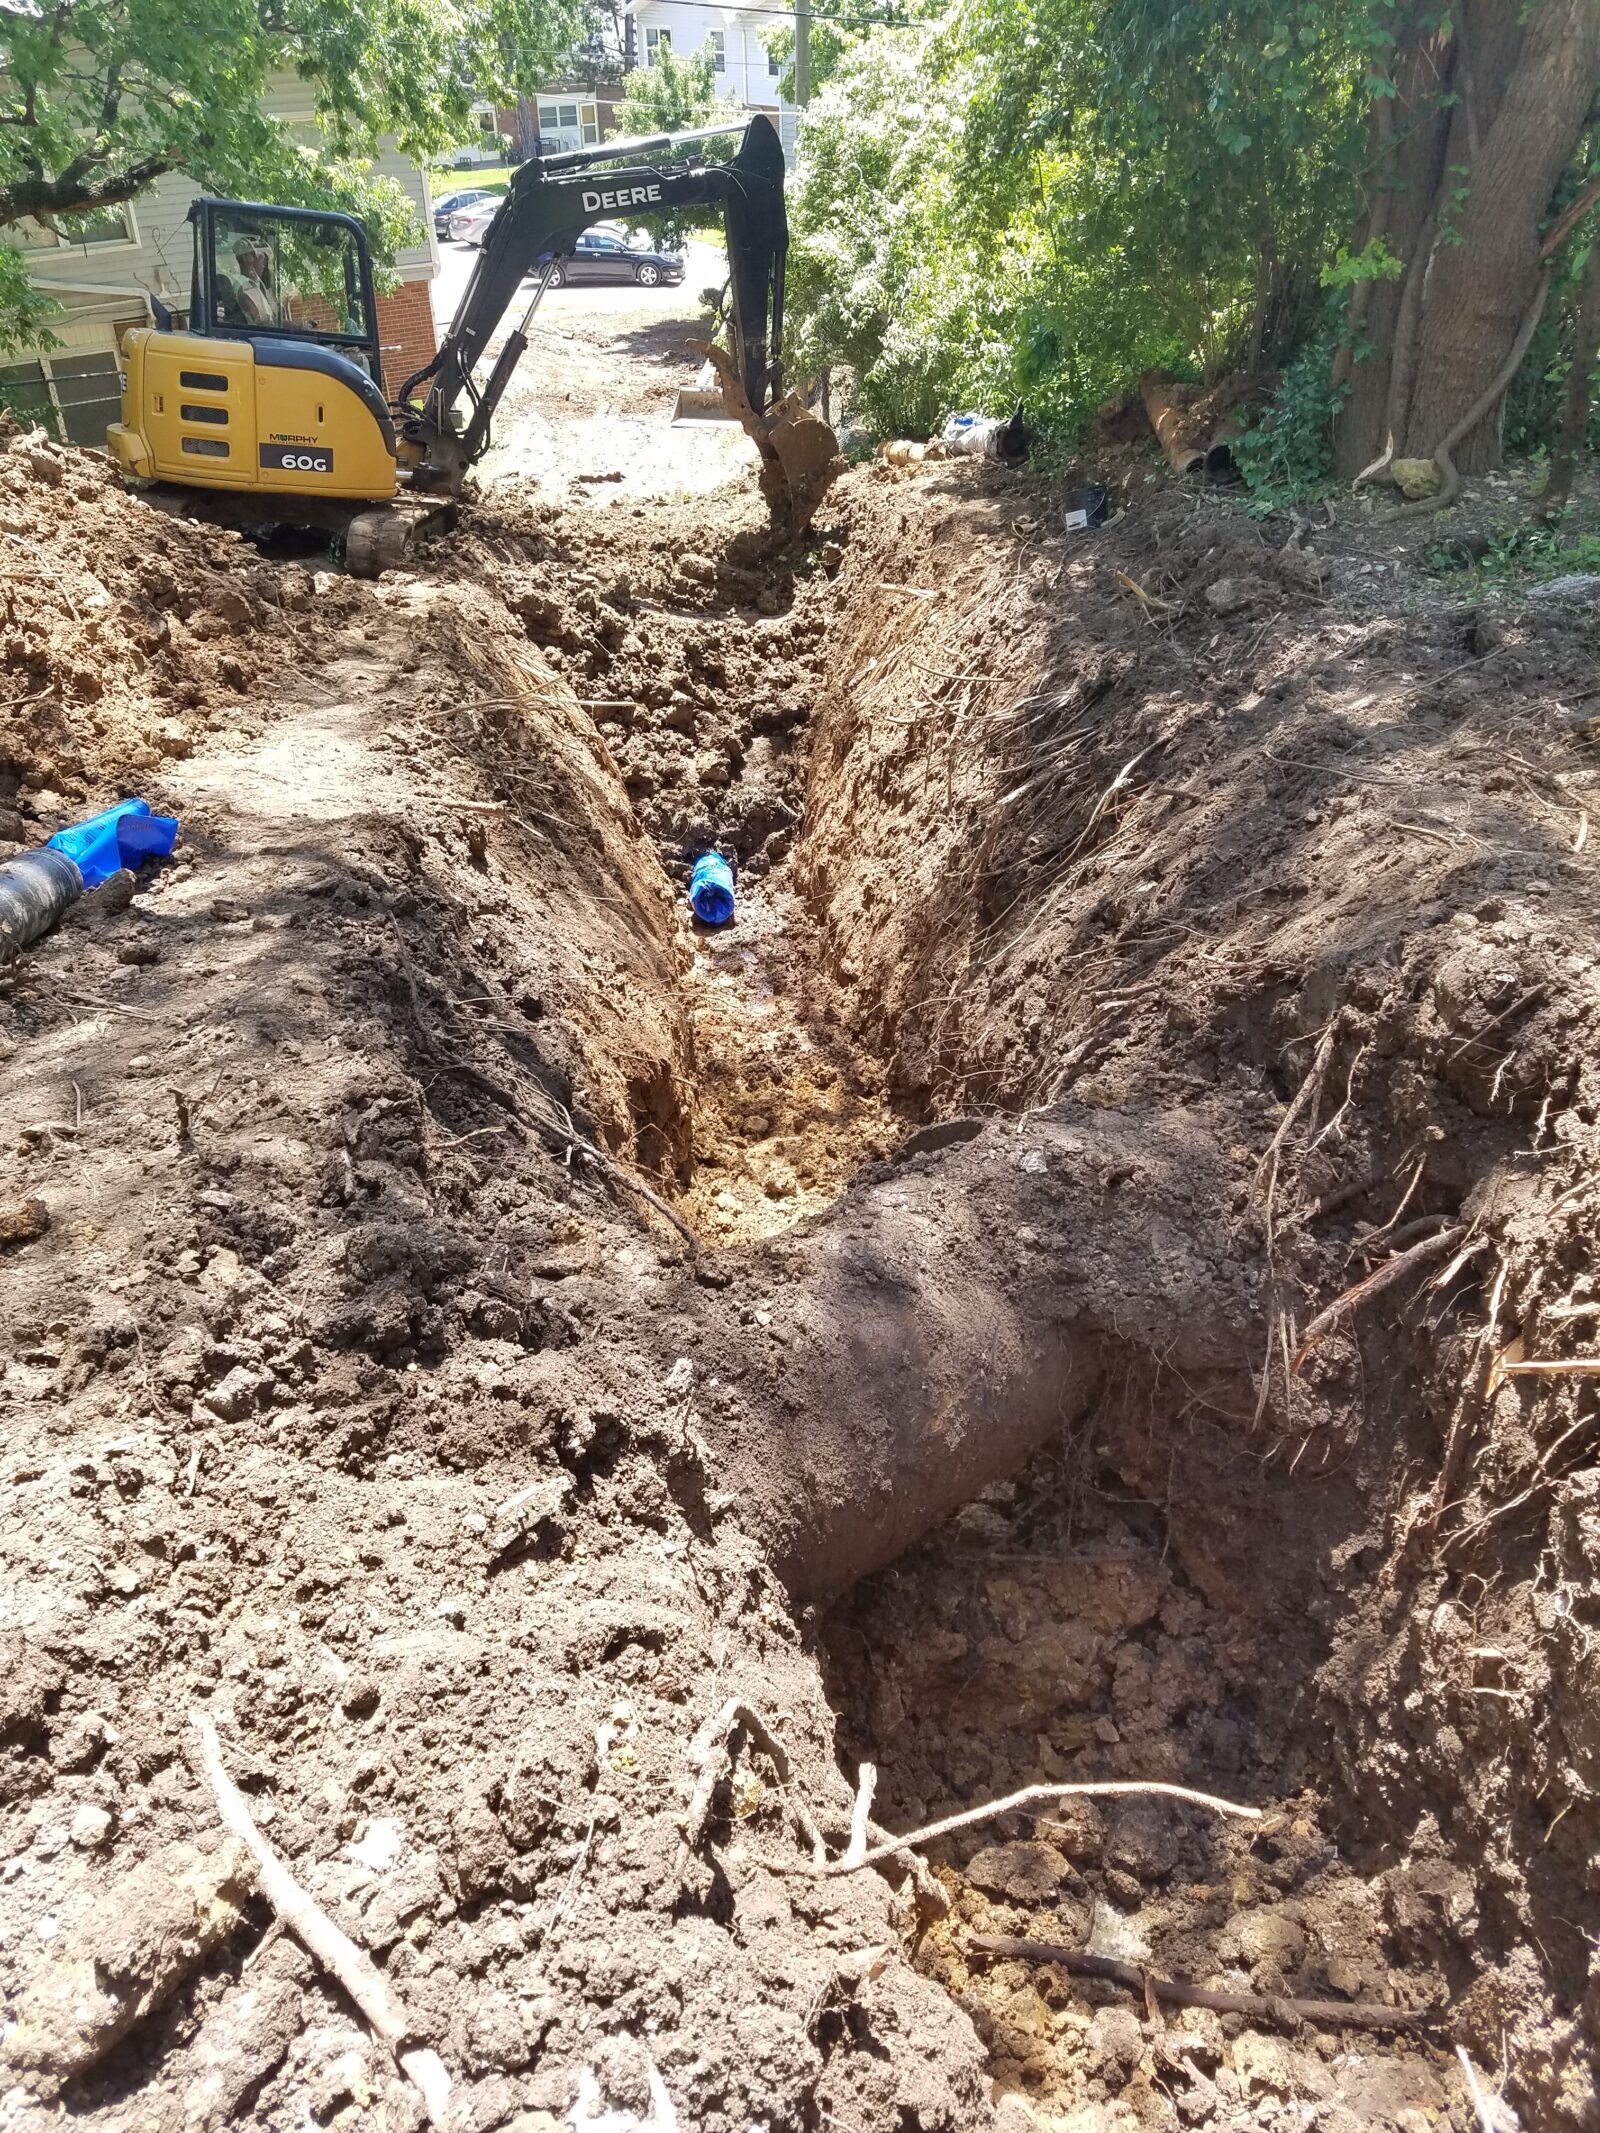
<point>351,1966</point>
<point>1363,1291</point>
<point>1356,2014</point>
<point>109,1007</point>
<point>1029,1793</point>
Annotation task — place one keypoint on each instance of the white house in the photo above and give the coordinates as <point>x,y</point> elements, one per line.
<point>730,30</point>
<point>104,281</point>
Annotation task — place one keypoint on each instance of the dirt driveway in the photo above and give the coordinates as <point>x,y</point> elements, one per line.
<point>590,409</point>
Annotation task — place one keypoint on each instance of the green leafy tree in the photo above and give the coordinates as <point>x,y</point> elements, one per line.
<point>1046,197</point>
<point>676,95</point>
<point>100,98</point>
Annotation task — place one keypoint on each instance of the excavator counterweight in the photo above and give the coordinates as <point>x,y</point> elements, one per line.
<point>269,405</point>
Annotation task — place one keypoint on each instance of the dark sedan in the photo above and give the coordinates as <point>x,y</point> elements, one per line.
<point>597,257</point>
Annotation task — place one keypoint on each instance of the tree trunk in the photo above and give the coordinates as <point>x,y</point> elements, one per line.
<point>1424,74</point>
<point>1585,354</point>
<point>1475,180</point>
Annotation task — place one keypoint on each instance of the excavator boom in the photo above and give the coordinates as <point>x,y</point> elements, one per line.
<point>549,204</point>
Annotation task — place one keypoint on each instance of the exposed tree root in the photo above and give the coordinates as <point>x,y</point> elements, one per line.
<point>1257,2007</point>
<point>351,1966</point>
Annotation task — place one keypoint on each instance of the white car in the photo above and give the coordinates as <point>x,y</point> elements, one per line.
<point>472,224</point>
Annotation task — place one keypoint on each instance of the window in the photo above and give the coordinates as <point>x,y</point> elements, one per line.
<point>105,225</point>
<point>774,63</point>
<point>655,42</point>
<point>108,225</point>
<point>580,121</point>
<point>72,394</point>
<point>718,46</point>
<point>272,271</point>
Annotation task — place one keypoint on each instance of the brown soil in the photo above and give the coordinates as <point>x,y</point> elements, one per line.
<point>1243,935</point>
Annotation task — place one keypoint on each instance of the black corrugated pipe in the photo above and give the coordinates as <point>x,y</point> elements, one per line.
<point>35,888</point>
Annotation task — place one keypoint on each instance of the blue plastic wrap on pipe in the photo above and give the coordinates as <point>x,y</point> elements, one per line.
<point>122,836</point>
<point>37,887</point>
<point>711,889</point>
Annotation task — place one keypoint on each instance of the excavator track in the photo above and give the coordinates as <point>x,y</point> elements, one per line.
<point>377,541</point>
<point>387,537</point>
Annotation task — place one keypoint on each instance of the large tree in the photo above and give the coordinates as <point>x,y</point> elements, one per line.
<point>1476,119</point>
<point>100,98</point>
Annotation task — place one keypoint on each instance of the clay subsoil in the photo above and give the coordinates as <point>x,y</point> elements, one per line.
<point>1191,925</point>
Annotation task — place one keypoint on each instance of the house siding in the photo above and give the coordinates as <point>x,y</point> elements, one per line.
<point>746,76</point>
<point>104,288</point>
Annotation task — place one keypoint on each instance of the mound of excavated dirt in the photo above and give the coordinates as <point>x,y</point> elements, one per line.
<point>1221,837</point>
<point>125,632</point>
<point>1136,1137</point>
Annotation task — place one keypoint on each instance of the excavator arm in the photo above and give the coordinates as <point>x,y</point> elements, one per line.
<point>550,202</point>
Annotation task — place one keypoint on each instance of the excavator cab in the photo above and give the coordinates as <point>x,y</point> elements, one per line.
<point>283,270</point>
<point>271,394</point>
<point>269,402</point>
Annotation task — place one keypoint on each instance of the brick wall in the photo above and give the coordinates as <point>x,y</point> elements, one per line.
<point>405,332</point>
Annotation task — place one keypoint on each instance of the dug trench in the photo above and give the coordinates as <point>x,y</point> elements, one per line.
<point>1136,1149</point>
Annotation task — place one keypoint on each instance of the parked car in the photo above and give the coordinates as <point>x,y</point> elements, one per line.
<point>600,256</point>
<point>469,224</point>
<point>453,204</point>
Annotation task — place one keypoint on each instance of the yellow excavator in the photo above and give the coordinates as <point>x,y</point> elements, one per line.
<point>269,405</point>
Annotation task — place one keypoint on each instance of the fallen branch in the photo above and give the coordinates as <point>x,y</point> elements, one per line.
<point>1028,1794</point>
<point>1385,1275</point>
<point>1272,2007</point>
<point>349,1965</point>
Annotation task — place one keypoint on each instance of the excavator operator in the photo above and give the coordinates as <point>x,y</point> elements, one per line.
<point>246,295</point>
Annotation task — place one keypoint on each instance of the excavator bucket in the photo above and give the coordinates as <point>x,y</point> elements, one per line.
<point>800,456</point>
<point>702,401</point>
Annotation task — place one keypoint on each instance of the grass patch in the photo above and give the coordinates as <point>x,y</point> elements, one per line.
<point>493,178</point>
